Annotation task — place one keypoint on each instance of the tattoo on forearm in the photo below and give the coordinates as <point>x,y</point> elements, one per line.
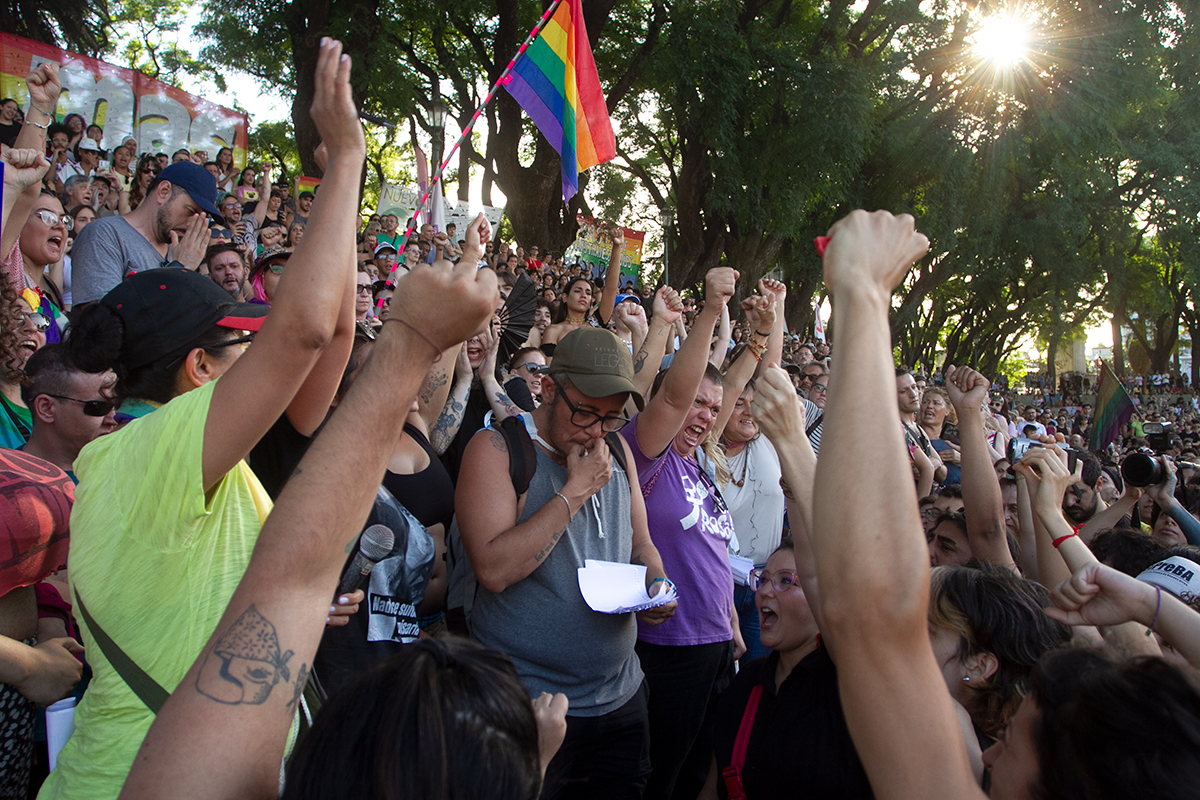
<point>546,550</point>
<point>245,663</point>
<point>301,679</point>
<point>447,425</point>
<point>433,381</point>
<point>638,561</point>
<point>640,361</point>
<point>507,405</point>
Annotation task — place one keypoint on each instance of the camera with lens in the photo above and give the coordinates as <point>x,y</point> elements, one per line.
<point>1158,435</point>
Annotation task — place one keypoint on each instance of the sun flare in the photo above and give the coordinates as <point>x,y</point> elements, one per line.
<point>1003,40</point>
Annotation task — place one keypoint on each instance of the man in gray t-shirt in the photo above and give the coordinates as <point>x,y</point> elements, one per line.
<point>169,226</point>
<point>526,552</point>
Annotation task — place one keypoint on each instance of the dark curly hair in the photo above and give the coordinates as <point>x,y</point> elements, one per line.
<point>10,326</point>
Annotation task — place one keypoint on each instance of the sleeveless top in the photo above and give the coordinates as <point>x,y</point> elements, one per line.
<point>556,642</point>
<point>428,494</point>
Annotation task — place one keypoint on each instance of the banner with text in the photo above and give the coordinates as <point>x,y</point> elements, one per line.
<point>125,102</point>
<point>593,246</point>
<point>402,201</point>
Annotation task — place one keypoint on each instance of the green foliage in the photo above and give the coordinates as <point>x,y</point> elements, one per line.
<point>1053,189</point>
<point>149,41</point>
<point>79,25</point>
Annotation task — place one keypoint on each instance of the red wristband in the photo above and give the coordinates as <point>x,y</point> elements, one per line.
<point>1062,539</point>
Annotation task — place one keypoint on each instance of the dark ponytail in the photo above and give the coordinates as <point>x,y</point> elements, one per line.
<point>96,338</point>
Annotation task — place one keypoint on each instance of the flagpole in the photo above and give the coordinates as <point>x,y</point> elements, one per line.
<point>487,100</point>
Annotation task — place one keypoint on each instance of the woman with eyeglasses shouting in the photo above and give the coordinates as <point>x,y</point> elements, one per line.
<point>35,239</point>
<point>779,725</point>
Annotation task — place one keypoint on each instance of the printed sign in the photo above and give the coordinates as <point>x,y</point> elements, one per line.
<point>402,201</point>
<point>593,246</point>
<point>125,102</point>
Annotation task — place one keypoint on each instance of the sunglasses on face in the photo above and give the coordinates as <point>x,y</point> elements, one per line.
<point>277,267</point>
<point>531,367</point>
<point>220,233</point>
<point>51,220</point>
<point>93,408</point>
<point>40,321</point>
<point>385,301</point>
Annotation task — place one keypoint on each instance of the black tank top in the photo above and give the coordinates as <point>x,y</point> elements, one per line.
<point>428,494</point>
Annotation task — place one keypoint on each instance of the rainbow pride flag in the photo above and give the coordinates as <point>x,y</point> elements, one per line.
<point>556,82</point>
<point>1114,407</point>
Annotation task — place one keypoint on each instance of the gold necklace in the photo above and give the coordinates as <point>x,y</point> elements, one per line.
<point>575,320</point>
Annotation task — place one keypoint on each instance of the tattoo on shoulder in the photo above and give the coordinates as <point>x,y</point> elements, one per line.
<point>245,663</point>
<point>301,679</point>
<point>497,440</point>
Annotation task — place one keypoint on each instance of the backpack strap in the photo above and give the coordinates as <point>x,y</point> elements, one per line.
<point>733,773</point>
<point>613,440</point>
<point>522,456</point>
<point>141,684</point>
<point>815,423</point>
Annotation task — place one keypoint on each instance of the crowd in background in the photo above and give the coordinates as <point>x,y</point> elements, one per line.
<point>220,402</point>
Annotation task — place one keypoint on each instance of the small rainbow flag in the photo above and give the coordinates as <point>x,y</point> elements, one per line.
<point>558,86</point>
<point>306,184</point>
<point>1114,407</point>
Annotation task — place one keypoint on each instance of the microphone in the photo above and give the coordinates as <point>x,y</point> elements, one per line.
<point>373,546</point>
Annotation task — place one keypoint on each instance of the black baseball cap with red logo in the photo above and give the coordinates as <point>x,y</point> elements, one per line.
<point>165,310</point>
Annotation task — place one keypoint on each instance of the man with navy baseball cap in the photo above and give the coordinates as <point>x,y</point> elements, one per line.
<point>171,227</point>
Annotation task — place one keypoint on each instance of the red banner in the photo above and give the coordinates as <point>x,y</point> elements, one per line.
<point>125,102</point>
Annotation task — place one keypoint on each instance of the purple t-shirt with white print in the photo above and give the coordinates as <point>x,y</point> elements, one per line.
<point>691,529</point>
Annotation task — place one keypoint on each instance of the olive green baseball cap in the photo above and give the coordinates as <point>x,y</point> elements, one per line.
<point>598,364</point>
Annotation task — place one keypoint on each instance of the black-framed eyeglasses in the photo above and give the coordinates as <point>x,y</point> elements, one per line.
<point>586,419</point>
<point>819,387</point>
<point>783,580</point>
<point>93,408</point>
<point>39,320</point>
<point>364,288</point>
<point>50,219</point>
<point>249,337</point>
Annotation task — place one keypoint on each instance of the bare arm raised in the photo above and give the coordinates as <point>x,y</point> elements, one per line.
<point>872,561</point>
<point>222,732</point>
<point>982,502</point>
<point>304,312</point>
<point>667,410</point>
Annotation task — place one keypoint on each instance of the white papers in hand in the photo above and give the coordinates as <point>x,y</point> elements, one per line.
<point>612,588</point>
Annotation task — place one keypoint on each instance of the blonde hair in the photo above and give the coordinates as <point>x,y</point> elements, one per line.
<point>714,451</point>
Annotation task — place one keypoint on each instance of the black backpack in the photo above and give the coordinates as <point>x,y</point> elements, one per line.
<point>522,454</point>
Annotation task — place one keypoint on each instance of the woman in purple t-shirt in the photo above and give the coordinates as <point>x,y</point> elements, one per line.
<point>686,657</point>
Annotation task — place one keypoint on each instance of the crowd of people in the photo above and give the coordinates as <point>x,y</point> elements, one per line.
<point>300,507</point>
